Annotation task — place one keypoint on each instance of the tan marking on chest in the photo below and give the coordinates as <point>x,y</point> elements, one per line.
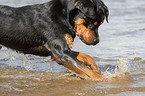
<point>69,40</point>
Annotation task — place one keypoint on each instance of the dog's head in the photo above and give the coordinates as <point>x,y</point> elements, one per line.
<point>86,16</point>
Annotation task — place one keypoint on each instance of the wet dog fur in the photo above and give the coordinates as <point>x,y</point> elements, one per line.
<point>49,30</point>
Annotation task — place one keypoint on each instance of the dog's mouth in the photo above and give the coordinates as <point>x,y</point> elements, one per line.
<point>86,35</point>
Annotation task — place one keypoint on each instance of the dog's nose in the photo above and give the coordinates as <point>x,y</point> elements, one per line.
<point>96,41</point>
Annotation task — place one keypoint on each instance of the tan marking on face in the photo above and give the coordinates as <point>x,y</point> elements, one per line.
<point>69,40</point>
<point>80,21</point>
<point>95,23</point>
<point>81,30</point>
<point>79,27</point>
<point>101,23</point>
<point>107,13</point>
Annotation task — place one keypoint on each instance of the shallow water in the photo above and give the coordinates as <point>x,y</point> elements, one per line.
<point>121,38</point>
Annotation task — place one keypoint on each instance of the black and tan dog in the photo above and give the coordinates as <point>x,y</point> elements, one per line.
<point>49,30</point>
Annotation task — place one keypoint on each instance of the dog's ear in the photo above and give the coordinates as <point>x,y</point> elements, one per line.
<point>101,8</point>
<point>86,7</point>
<point>92,8</point>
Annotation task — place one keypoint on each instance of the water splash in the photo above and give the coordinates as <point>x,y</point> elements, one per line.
<point>27,64</point>
<point>121,69</point>
<point>124,65</point>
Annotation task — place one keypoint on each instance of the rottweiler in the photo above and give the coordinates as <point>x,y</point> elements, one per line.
<point>49,29</point>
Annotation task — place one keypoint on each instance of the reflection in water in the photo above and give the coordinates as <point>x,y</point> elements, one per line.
<point>26,75</point>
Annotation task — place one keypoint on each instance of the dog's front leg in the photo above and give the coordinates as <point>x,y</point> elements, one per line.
<point>86,59</point>
<point>66,58</point>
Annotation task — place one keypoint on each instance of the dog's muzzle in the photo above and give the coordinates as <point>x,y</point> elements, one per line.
<point>85,34</point>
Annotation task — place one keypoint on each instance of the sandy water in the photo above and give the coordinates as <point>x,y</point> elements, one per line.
<point>122,42</point>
